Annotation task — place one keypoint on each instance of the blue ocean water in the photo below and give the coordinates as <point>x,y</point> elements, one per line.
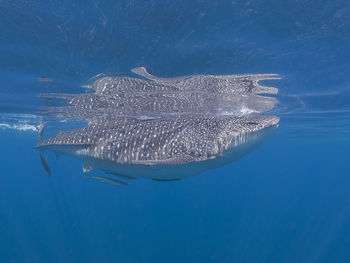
<point>288,201</point>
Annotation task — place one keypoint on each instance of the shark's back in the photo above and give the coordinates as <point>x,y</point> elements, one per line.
<point>172,140</point>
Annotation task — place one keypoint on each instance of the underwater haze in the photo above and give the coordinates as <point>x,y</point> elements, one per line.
<point>286,201</point>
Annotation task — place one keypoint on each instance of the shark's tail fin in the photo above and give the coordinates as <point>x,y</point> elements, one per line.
<point>41,130</point>
<point>40,138</point>
<point>44,164</point>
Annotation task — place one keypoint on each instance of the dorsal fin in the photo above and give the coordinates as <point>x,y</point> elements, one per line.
<point>142,71</point>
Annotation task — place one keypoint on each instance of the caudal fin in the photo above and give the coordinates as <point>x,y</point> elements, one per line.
<point>44,164</point>
<point>41,130</point>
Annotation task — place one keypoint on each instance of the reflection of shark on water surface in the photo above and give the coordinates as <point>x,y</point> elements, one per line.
<point>227,84</point>
<point>163,129</point>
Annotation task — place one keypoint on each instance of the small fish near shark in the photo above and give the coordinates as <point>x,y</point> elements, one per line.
<point>163,129</point>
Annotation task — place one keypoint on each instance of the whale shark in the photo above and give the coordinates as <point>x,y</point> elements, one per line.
<point>159,148</point>
<point>163,129</point>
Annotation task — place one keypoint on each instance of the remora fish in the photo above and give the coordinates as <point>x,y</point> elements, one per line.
<point>161,149</point>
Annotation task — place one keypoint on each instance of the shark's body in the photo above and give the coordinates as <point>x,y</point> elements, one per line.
<point>164,129</point>
<point>153,148</point>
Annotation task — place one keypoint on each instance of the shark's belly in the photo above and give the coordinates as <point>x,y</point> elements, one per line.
<point>175,171</point>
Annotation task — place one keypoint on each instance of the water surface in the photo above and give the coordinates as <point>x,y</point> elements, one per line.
<point>288,201</point>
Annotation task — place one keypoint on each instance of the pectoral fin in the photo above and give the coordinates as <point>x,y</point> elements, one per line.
<point>108,180</point>
<point>167,180</point>
<point>122,176</point>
